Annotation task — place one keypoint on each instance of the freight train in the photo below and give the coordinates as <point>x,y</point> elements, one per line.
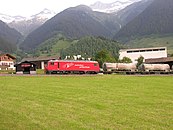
<point>92,67</point>
<point>131,68</point>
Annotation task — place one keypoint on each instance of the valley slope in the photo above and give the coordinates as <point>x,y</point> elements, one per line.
<point>9,38</point>
<point>155,19</point>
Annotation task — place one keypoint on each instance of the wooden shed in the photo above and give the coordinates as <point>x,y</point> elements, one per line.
<point>40,62</point>
<point>25,67</point>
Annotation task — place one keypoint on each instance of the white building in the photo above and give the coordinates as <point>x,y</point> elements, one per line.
<point>147,53</point>
<point>7,62</point>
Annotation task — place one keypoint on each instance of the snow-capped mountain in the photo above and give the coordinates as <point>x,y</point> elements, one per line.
<point>25,25</point>
<point>112,7</point>
<point>8,19</point>
<point>45,14</point>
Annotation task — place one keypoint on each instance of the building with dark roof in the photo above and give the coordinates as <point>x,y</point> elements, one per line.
<point>25,67</point>
<point>41,61</point>
<point>166,60</point>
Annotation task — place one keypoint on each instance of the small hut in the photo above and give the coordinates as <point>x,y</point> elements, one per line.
<point>41,61</point>
<point>25,67</point>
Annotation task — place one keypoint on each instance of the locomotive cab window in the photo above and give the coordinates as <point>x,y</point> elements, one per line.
<point>95,64</point>
<point>51,63</point>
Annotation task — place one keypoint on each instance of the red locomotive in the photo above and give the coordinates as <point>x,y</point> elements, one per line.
<point>69,66</point>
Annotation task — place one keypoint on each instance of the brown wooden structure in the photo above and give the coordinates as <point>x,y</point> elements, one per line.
<point>25,68</point>
<point>167,60</point>
<point>40,62</point>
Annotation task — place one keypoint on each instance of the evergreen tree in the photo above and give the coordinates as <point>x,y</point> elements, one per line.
<point>140,61</point>
<point>125,60</point>
<point>104,56</point>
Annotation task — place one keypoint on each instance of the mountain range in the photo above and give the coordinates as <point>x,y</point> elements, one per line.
<point>80,21</point>
<point>47,14</point>
<point>8,19</point>
<point>113,7</point>
<point>140,19</point>
<point>155,19</point>
<point>73,22</point>
<point>25,25</point>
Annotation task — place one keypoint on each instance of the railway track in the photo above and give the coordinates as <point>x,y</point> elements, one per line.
<point>86,75</point>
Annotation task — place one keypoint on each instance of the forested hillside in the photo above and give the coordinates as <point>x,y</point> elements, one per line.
<point>155,19</point>
<point>5,46</point>
<point>89,46</point>
<point>53,46</point>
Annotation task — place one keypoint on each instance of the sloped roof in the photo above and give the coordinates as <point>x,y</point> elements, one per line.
<point>23,63</point>
<point>9,55</point>
<point>41,58</point>
<point>159,60</point>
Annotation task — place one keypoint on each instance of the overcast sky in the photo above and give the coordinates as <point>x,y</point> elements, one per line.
<point>30,7</point>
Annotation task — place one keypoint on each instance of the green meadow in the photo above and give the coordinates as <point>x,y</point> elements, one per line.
<point>86,102</point>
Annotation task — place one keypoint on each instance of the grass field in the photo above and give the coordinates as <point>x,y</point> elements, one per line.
<point>86,102</point>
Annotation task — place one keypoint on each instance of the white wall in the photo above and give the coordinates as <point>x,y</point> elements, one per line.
<point>147,53</point>
<point>6,62</point>
<point>42,65</point>
<point>9,63</point>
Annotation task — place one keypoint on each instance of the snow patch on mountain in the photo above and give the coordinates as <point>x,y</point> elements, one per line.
<point>112,7</point>
<point>8,19</point>
<point>25,25</point>
<point>45,14</point>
